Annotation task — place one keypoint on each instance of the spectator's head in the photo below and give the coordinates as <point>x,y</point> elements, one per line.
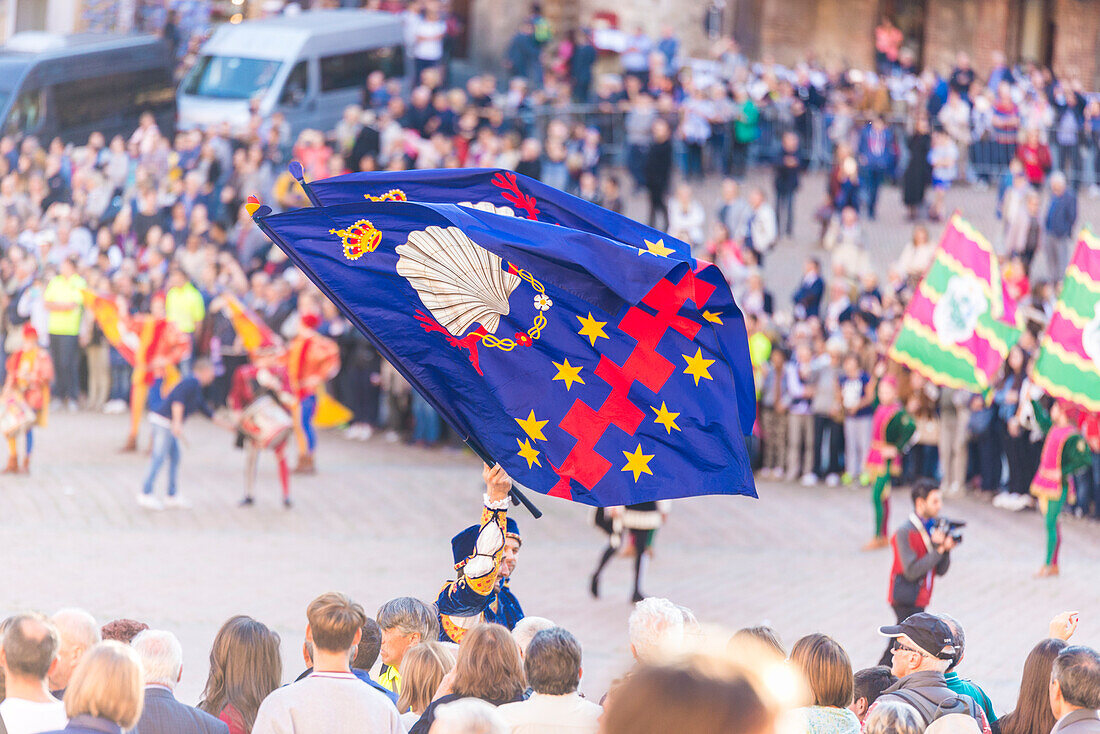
<point>468,716</point>
<point>849,216</point>
<point>335,623</point>
<point>107,683</point>
<point>922,642</point>
<point>245,667</point>
<point>422,670</point>
<point>927,499</point>
<point>370,644</point>
<point>827,669</point>
<point>656,629</point>
<point>1033,709</point>
<point>730,189</point>
<point>714,696</point>
<point>959,636</point>
<point>488,665</point>
<point>887,390</point>
<point>763,634</point>
<point>893,717</point>
<point>1057,183</point>
<point>30,648</point>
<point>405,621</point>
<point>79,633</point>
<point>203,370</point>
<point>553,662</point>
<point>526,629</point>
<point>161,657</point>
<point>757,197</point>
<point>661,130</point>
<point>869,684</point>
<point>1075,681</point>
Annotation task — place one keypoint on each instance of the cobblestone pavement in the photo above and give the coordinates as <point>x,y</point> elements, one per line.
<point>376,520</point>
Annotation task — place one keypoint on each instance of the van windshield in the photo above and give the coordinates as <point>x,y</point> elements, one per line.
<point>230,77</point>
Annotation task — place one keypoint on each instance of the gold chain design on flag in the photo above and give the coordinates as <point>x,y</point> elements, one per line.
<point>507,345</point>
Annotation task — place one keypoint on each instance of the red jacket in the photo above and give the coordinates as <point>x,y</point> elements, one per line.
<point>916,565</point>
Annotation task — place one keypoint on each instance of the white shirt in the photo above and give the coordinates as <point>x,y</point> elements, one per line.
<point>333,703</point>
<point>428,45</point>
<point>30,717</point>
<point>546,714</point>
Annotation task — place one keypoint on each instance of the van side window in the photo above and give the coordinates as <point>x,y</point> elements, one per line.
<point>390,61</point>
<point>344,71</point>
<point>297,84</point>
<point>114,97</point>
<point>27,112</point>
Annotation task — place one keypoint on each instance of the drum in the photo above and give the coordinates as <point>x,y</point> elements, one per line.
<point>15,415</point>
<point>266,422</point>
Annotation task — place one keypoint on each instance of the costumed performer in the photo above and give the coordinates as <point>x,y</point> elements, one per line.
<point>485,558</point>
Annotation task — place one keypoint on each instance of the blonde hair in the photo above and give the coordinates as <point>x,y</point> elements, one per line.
<point>422,669</point>
<point>108,683</point>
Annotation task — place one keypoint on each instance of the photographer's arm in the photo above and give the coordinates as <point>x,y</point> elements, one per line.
<point>914,567</point>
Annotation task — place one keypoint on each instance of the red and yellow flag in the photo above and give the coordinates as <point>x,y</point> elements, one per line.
<point>254,333</point>
<point>113,324</point>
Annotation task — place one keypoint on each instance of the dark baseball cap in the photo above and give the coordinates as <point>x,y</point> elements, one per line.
<point>928,632</point>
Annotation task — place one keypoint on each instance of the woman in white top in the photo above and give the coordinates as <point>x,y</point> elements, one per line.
<point>917,255</point>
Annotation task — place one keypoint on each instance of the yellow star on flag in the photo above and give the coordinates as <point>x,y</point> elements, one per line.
<point>526,451</point>
<point>637,462</point>
<point>712,317</point>
<point>532,426</point>
<point>568,374</point>
<point>591,328</point>
<point>698,366</point>
<point>666,418</point>
<point>658,248</point>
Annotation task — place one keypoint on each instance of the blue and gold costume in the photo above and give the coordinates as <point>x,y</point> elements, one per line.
<point>479,594</point>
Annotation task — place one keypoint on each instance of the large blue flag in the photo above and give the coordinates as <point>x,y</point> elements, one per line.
<point>508,193</point>
<point>496,189</point>
<point>589,369</point>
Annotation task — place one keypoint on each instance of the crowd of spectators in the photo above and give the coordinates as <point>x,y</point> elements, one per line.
<point>65,673</point>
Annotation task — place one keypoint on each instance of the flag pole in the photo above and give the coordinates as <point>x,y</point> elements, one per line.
<point>258,212</point>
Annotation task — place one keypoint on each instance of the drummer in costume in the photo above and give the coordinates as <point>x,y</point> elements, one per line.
<point>311,360</point>
<point>639,524</point>
<point>26,398</point>
<point>892,433</point>
<point>262,385</point>
<point>160,348</point>
<point>485,558</point>
<point>1064,454</point>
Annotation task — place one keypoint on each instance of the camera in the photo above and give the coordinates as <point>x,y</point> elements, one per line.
<point>951,528</point>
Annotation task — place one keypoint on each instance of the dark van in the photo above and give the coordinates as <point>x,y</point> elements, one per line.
<point>70,86</point>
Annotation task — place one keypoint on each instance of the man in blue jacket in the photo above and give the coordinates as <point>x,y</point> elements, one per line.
<point>1061,218</point>
<point>878,156</point>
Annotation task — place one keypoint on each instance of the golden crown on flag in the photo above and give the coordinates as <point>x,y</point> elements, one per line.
<point>359,239</point>
<point>391,195</point>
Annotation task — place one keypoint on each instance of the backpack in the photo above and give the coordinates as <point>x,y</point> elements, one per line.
<point>953,703</point>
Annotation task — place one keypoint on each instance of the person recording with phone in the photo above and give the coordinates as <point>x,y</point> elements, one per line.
<point>922,551</point>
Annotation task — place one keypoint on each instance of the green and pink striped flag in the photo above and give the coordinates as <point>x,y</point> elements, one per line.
<point>960,322</point>
<point>1069,354</point>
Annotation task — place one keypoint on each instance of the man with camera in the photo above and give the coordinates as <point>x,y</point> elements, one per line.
<point>922,550</point>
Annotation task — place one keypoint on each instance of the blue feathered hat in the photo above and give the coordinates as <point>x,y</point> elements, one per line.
<point>462,545</point>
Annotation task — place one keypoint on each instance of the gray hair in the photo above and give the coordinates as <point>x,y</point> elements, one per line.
<point>1057,179</point>
<point>656,626</point>
<point>161,656</point>
<point>407,615</point>
<point>468,716</point>
<point>76,627</point>
<point>526,629</point>
<point>959,637</point>
<point>893,717</point>
<point>1077,670</point>
<point>553,662</point>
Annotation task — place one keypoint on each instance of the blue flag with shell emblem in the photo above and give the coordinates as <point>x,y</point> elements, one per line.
<point>591,370</point>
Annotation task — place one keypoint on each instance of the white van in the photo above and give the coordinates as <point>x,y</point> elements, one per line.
<point>309,66</point>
